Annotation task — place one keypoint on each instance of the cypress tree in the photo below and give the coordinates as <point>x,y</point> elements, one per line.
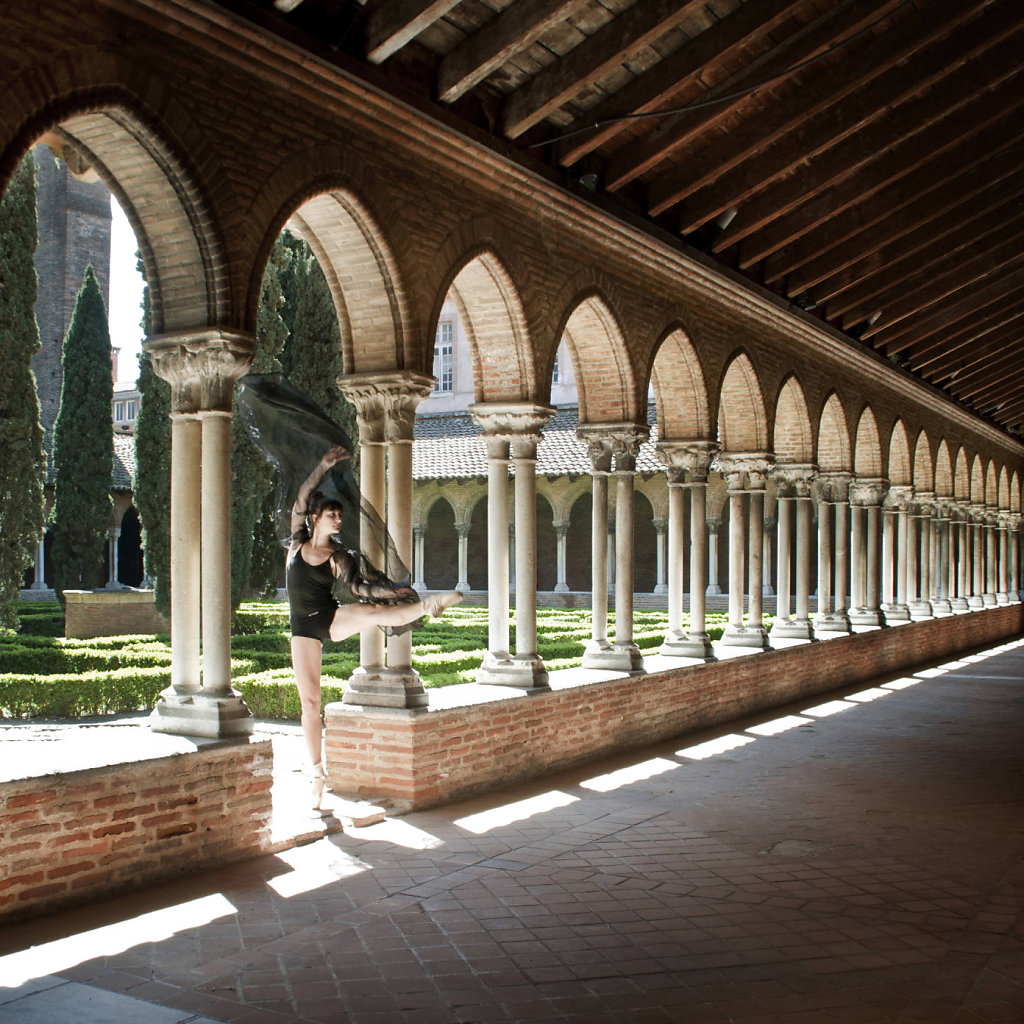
<point>83,446</point>
<point>23,464</point>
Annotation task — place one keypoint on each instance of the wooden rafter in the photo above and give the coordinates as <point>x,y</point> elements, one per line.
<point>390,24</point>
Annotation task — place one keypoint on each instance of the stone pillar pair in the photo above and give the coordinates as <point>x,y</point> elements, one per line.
<point>687,459</point>
<point>895,540</point>
<point>793,492</point>
<point>512,431</point>
<point>745,474</point>
<point>833,505</point>
<point>866,497</point>
<point>613,449</point>
<point>201,368</point>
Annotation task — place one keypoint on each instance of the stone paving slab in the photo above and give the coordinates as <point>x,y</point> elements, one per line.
<point>856,859</point>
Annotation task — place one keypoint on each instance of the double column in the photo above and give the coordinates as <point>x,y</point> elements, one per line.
<point>692,459</point>
<point>385,406</point>
<point>745,474</point>
<point>613,449</point>
<point>793,493</point>
<point>866,497</point>
<point>512,430</point>
<point>959,556</point>
<point>833,504</point>
<point>895,536</point>
<point>201,368</point>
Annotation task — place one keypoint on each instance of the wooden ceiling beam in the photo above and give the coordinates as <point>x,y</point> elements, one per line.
<point>390,24</point>
<point>514,30</point>
<point>850,135</point>
<point>967,389</point>
<point>936,356</point>
<point>899,208</point>
<point>595,57</point>
<point>679,71</point>
<point>898,162</point>
<point>998,391</point>
<point>777,120</point>
<point>839,21</point>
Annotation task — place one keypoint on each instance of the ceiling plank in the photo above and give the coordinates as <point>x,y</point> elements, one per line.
<point>898,162</point>
<point>680,70</point>
<point>777,120</point>
<point>598,54</point>
<point>841,20</point>
<point>855,235</point>
<point>390,24</point>
<point>515,29</point>
<point>940,355</point>
<point>849,135</point>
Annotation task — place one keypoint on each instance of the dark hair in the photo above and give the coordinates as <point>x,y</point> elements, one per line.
<point>320,503</point>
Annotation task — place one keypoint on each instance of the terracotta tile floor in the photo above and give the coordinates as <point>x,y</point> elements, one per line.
<point>856,859</point>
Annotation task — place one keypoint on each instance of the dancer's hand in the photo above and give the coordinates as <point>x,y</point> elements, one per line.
<point>334,455</point>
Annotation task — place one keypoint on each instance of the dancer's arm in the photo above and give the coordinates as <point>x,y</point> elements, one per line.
<point>306,488</point>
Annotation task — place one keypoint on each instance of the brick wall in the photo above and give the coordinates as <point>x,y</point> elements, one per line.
<point>419,759</point>
<point>72,837</point>
<point>89,613</point>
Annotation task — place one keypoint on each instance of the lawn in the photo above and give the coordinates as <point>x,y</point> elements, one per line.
<point>44,675</point>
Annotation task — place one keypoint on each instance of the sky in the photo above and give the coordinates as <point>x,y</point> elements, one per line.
<point>125,313</point>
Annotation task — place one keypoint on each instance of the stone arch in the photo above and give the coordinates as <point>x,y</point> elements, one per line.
<point>680,391</point>
<point>991,485</point>
<point>961,476</point>
<point>496,329</point>
<point>742,421</point>
<point>867,449</point>
<point>794,436</point>
<point>1015,492</point>
<point>924,467</point>
<point>900,469</point>
<point>943,471</point>
<point>1004,490</point>
<point>977,481</point>
<point>144,147</point>
<point>604,373</point>
<point>834,453</point>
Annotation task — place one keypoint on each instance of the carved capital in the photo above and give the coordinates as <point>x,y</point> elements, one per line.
<point>681,457</point>
<point>618,441</point>
<point>385,403</point>
<point>834,487</point>
<point>899,496</point>
<point>201,367</point>
<point>793,479</point>
<point>745,470</point>
<point>868,491</point>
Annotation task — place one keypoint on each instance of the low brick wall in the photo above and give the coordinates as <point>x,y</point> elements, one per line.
<point>89,613</point>
<point>73,837</point>
<point>417,759</point>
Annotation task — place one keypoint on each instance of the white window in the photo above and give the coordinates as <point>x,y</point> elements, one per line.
<point>556,375</point>
<point>129,409</point>
<point>443,344</point>
<point>119,412</point>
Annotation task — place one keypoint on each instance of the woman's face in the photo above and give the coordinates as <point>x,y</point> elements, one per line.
<point>327,522</point>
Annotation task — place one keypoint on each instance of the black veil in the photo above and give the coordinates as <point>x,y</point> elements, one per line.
<point>292,432</point>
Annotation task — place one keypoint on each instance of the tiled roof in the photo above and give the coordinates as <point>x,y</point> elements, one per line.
<point>124,461</point>
<point>451,446</point>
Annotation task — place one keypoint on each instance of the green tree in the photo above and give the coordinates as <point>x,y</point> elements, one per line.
<point>152,484</point>
<point>23,465</point>
<point>83,446</point>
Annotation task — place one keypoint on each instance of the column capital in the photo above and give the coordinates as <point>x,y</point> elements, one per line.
<point>834,486</point>
<point>793,479</point>
<point>745,470</point>
<point>462,529</point>
<point>925,503</point>
<point>385,402</point>
<point>681,457</point>
<point>620,441</point>
<point>201,366</point>
<point>899,496</point>
<point>868,491</point>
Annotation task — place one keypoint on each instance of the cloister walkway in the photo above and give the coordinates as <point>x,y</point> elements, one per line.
<point>858,858</point>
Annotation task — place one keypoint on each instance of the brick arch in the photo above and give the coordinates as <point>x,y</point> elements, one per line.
<point>961,477</point>
<point>492,315</point>
<point>604,374</point>
<point>362,273</point>
<point>1015,492</point>
<point>679,388</point>
<point>1004,490</point>
<point>867,448</point>
<point>742,421</point>
<point>793,434</point>
<point>991,485</point>
<point>146,149</point>
<point>900,469</point>
<point>834,450</point>
<point>977,481</point>
<point>943,471</point>
<point>924,467</point>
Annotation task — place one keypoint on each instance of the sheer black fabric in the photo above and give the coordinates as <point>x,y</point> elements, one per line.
<point>293,433</point>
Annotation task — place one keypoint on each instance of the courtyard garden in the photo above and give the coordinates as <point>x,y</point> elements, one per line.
<point>43,675</point>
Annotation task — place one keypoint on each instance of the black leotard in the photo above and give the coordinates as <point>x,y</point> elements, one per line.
<point>311,603</point>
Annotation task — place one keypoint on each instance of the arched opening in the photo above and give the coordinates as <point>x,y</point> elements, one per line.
<point>441,548</point>
<point>742,423</point>
<point>867,452</point>
<point>547,546</point>
<point>129,550</point>
<point>900,472</point>
<point>680,391</point>
<point>943,471</point>
<point>924,468</point>
<point>793,437</point>
<point>834,453</point>
<point>577,550</point>
<point>645,545</point>
<point>477,553</point>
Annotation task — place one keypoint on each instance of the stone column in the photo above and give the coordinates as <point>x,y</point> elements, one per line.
<point>991,559</point>
<point>941,604</point>
<point>962,562</point>
<point>1003,595</point>
<point>619,442</point>
<point>660,586</point>
<point>418,535</point>
<point>512,429</point>
<point>866,497</point>
<point>1014,541</point>
<point>976,599</point>
<point>682,458</point>
<point>898,501</point>
<point>833,495</point>
<point>712,526</point>
<point>39,582</point>
<point>112,537</point>
<point>766,557</point>
<point>600,466</point>
<point>201,369</point>
<point>462,532</point>
<point>561,535</point>
<point>745,474</point>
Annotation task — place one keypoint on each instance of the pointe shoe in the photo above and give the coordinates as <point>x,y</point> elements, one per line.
<point>318,782</point>
<point>438,604</point>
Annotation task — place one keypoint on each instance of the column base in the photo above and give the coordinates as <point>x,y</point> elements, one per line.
<point>959,605</point>
<point>385,688</point>
<point>832,622</point>
<point>418,585</point>
<point>866,618</point>
<point>499,668</point>
<point>562,588</point>
<point>207,717</point>
<point>1002,598</point>
<point>688,645</point>
<point>462,587</point>
<point>988,600</point>
<point>660,588</point>
<point>974,602</point>
<point>792,629</point>
<point>713,590</point>
<point>745,636</point>
<point>920,610</point>
<point>941,608</point>
<point>613,657</point>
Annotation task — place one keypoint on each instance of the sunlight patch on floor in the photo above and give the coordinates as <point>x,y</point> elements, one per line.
<point>627,776</point>
<point>721,745</point>
<point>313,866</point>
<point>520,810</point>
<point>777,725</point>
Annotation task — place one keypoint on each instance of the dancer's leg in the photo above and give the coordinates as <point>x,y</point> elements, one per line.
<point>350,619</point>
<point>307,656</point>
